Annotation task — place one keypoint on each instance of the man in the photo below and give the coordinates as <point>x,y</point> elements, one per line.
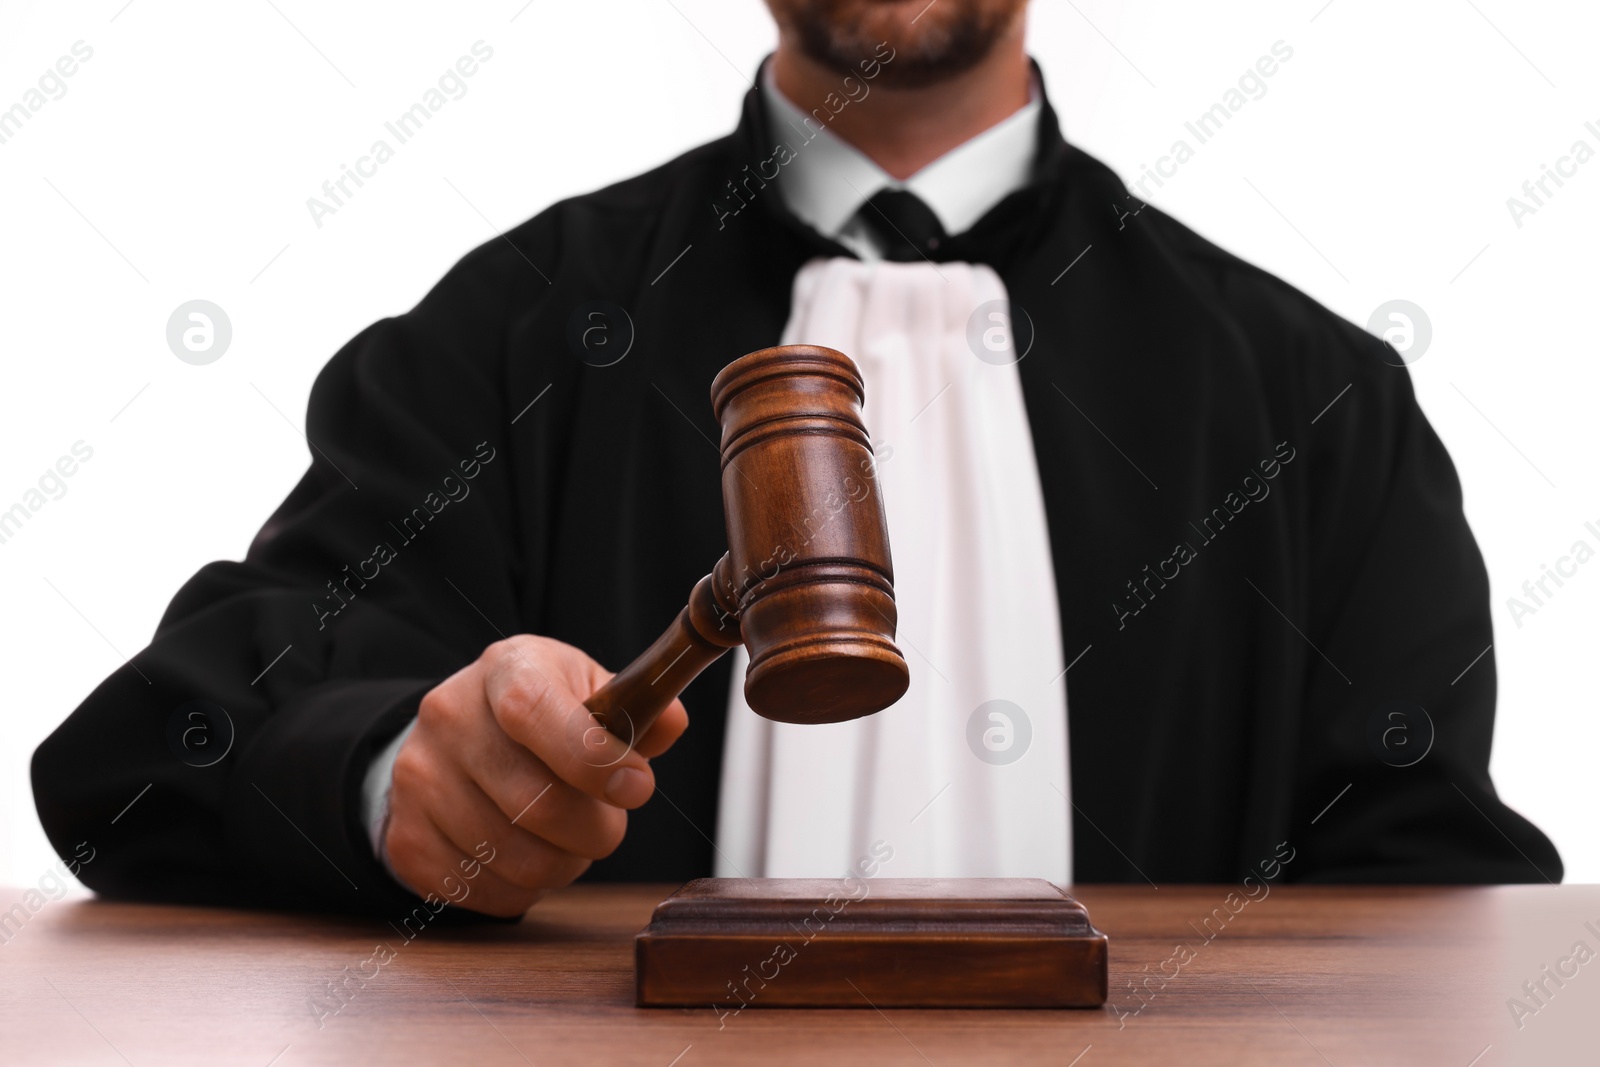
<point>1170,540</point>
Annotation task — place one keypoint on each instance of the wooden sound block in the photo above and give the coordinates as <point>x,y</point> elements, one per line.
<point>732,943</point>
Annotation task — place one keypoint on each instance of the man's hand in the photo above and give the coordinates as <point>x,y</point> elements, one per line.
<point>504,752</point>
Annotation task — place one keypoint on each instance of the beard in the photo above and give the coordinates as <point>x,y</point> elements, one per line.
<point>931,42</point>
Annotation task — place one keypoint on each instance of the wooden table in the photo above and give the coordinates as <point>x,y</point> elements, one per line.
<point>1305,975</point>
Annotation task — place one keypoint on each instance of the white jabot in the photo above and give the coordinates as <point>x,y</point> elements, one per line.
<point>829,179</point>
<point>955,784</point>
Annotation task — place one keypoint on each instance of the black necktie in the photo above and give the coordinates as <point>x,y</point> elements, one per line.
<point>906,227</point>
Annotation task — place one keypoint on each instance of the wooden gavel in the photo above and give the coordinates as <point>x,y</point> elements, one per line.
<point>806,584</point>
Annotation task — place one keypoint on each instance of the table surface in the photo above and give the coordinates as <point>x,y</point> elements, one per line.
<point>1304,975</point>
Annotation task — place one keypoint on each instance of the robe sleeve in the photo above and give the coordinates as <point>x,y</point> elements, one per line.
<point>374,580</point>
<point>1396,601</point>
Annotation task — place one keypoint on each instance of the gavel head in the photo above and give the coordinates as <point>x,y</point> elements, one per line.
<point>808,547</point>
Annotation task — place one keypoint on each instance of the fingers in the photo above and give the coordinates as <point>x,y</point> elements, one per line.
<point>527,796</point>
<point>661,734</point>
<point>428,862</point>
<point>532,700</point>
<point>524,859</point>
<point>665,731</point>
<point>507,786</point>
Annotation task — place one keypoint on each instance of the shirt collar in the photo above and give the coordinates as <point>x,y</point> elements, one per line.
<point>828,179</point>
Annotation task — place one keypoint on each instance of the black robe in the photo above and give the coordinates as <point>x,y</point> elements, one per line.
<point>1227,696</point>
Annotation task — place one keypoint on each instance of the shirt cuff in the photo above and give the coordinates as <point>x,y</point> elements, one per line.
<point>375,796</point>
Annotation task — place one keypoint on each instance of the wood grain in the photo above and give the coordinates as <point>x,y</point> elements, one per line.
<point>1307,975</point>
<point>739,943</point>
<point>807,584</point>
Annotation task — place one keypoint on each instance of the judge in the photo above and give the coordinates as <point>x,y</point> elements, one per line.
<point>1181,568</point>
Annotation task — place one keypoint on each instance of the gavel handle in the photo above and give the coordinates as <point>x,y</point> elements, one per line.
<point>707,627</point>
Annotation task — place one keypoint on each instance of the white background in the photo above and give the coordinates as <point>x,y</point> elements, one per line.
<point>178,164</point>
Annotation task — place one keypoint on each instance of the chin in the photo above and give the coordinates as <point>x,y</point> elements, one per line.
<point>930,42</point>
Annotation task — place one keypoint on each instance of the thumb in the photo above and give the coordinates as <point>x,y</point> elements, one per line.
<point>664,731</point>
